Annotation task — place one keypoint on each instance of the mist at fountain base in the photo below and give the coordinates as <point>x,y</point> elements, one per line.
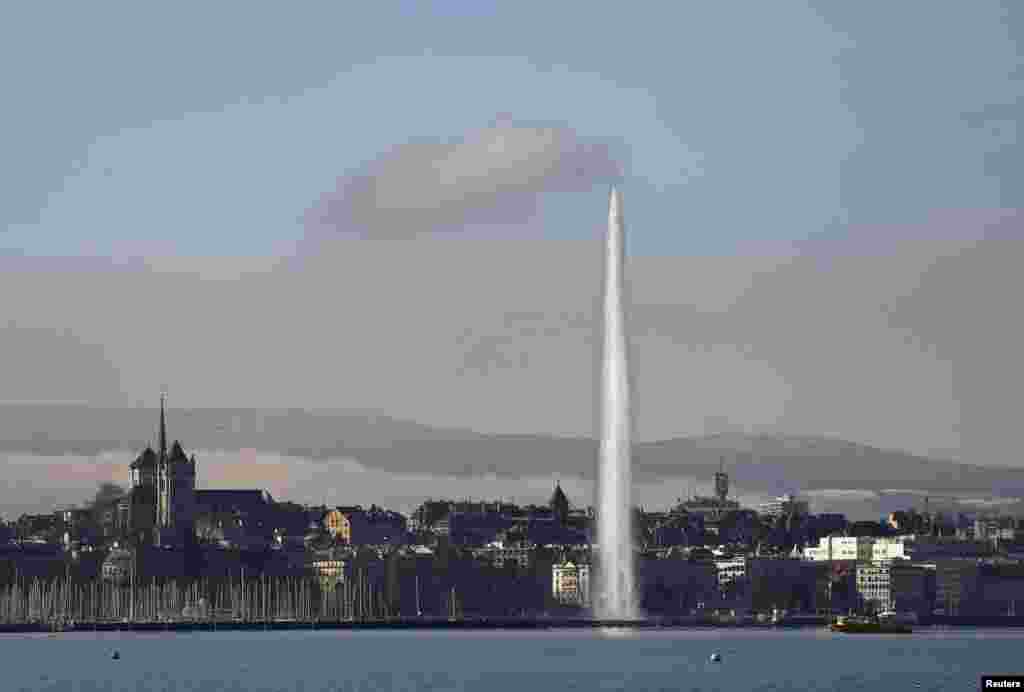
<point>617,598</point>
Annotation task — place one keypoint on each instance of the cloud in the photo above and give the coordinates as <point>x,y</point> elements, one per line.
<point>53,364</point>
<point>913,346</point>
<point>490,177</point>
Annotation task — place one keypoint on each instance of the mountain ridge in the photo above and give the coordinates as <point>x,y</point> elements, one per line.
<point>759,462</point>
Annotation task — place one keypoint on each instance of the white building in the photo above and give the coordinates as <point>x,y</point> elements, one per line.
<point>501,554</point>
<point>895,548</point>
<point>731,570</point>
<point>859,548</point>
<point>570,583</point>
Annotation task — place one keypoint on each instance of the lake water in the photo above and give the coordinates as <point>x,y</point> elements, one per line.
<point>508,661</point>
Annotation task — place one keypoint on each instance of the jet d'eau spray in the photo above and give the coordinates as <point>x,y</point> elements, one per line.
<point>616,582</point>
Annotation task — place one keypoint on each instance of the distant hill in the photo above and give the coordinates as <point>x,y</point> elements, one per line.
<point>757,463</point>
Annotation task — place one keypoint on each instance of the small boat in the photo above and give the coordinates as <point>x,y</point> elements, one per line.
<point>785,619</point>
<point>864,625</point>
<point>716,657</point>
<point>898,618</point>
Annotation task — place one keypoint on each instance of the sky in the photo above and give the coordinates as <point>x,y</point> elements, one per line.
<point>397,207</point>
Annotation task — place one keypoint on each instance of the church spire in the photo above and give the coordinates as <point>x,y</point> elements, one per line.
<point>163,428</point>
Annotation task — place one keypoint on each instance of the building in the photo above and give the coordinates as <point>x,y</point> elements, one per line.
<point>253,502</point>
<point>337,525</point>
<point>500,554</point>
<point>896,548</point>
<point>472,529</point>
<point>783,583</point>
<point>712,508</point>
<point>329,569</point>
<point>240,518</point>
<point>721,482</point>
<point>677,586</point>
<point>785,505</point>
<point>142,498</point>
<point>376,526</point>
<point>176,493</point>
<point>441,527</point>
<point>164,507</point>
<point>75,524</point>
<point>428,514</point>
<point>932,547</point>
<point>956,584</point>
<point>570,583</point>
<point>676,529</point>
<point>896,585</point>
<point>559,504</point>
<point>859,548</point>
<point>708,508</point>
<point>764,583</point>
<point>162,501</point>
<point>927,547</point>
<point>732,572</point>
<point>995,529</point>
<point>112,517</point>
<point>33,559</point>
<point>117,567</point>
<point>1001,589</point>
<point>37,527</point>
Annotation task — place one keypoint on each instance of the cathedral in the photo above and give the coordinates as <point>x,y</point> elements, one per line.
<point>162,504</point>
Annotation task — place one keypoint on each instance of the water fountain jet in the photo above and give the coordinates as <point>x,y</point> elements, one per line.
<point>616,582</point>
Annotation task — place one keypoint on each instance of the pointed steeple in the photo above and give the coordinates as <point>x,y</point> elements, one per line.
<point>177,452</point>
<point>559,503</point>
<point>163,428</point>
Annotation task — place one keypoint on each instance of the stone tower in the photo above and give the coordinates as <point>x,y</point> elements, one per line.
<point>721,482</point>
<point>176,488</point>
<point>142,502</point>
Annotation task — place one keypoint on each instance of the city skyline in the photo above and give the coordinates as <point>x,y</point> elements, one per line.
<point>479,466</point>
<point>168,552</point>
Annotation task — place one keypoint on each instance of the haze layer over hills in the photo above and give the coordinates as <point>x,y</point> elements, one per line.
<point>757,463</point>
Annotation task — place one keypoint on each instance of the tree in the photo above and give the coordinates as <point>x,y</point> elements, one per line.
<point>107,492</point>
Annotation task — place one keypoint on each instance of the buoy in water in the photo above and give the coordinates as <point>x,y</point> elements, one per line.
<point>116,655</point>
<point>716,657</point>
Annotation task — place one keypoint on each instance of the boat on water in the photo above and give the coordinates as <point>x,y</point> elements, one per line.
<point>782,618</point>
<point>898,618</point>
<point>865,625</point>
